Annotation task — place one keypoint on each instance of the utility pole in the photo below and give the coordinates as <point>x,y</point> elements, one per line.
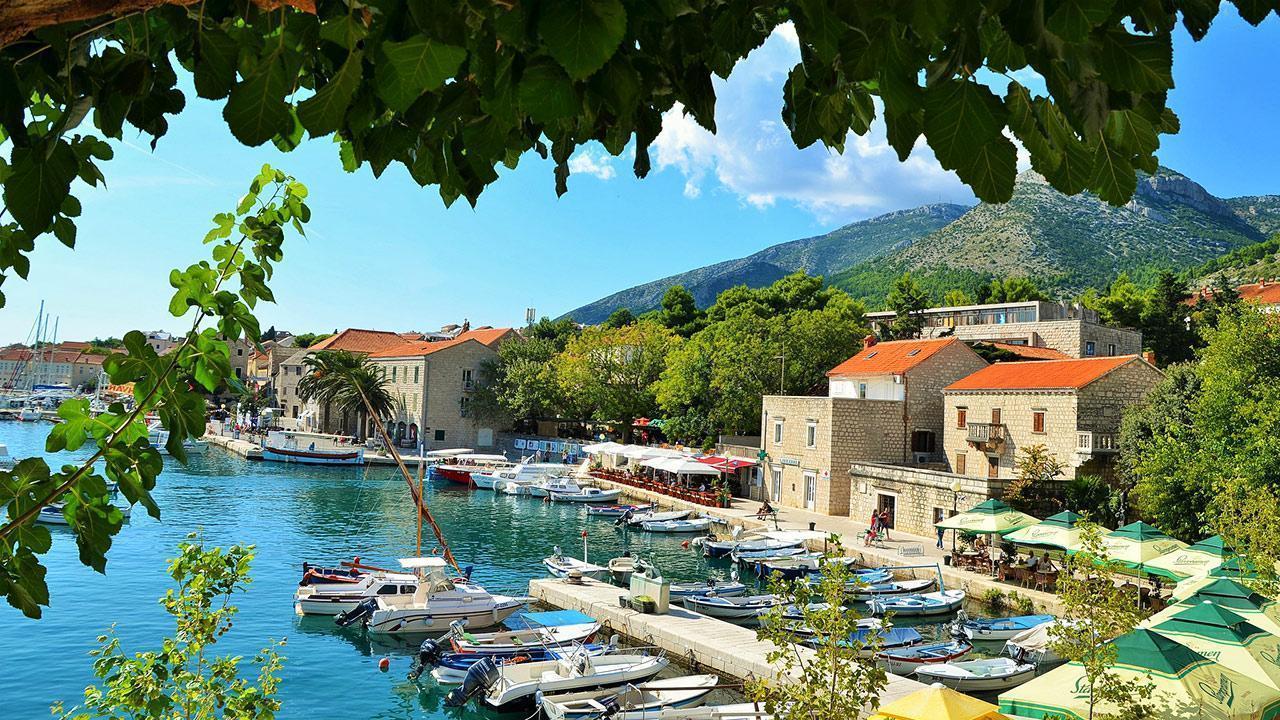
<point>782,374</point>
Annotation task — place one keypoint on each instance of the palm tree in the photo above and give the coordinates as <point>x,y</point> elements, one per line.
<point>349,382</point>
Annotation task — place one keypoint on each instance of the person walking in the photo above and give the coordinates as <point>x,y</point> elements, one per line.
<point>941,533</point>
<point>884,522</point>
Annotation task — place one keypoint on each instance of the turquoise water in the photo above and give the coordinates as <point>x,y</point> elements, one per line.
<point>292,514</point>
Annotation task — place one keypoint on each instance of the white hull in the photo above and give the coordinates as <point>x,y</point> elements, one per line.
<point>944,602</point>
<point>509,641</point>
<point>561,566</point>
<point>521,682</point>
<point>588,495</point>
<point>677,692</point>
<point>313,457</point>
<point>735,608</point>
<point>677,526</point>
<point>404,621</point>
<point>978,675</point>
<point>334,598</point>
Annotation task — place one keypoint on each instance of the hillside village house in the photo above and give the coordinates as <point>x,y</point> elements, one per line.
<point>1068,328</point>
<point>884,405</point>
<point>434,382</point>
<point>64,364</point>
<point>323,418</point>
<point>1072,407</point>
<point>1265,294</point>
<point>285,383</point>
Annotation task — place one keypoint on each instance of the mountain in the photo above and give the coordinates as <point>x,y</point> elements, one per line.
<point>821,255</point>
<point>1065,243</point>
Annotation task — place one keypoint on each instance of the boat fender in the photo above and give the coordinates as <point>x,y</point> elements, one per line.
<point>384,664</point>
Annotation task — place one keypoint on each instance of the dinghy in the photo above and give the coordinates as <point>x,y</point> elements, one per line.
<point>677,526</point>
<point>733,609</point>
<point>896,587</point>
<point>642,699</point>
<point>587,495</point>
<point>799,566</point>
<point>638,519</point>
<point>723,588</point>
<point>434,606</point>
<point>561,565</point>
<point>622,568</point>
<point>451,668</point>
<point>51,514</point>
<point>720,548</point>
<point>991,675</point>
<point>618,510</point>
<point>904,661</point>
<point>511,641</point>
<point>889,638</point>
<point>1002,628</point>
<point>942,602</point>
<point>515,686</point>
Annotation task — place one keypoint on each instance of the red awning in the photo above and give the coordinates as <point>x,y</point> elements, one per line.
<point>641,422</point>
<point>726,464</point>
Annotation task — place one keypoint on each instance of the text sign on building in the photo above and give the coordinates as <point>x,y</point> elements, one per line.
<point>790,461</point>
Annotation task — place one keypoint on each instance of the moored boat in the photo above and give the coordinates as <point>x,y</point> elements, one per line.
<point>677,526</point>
<point>515,686</point>
<point>506,641</point>
<point>751,557</point>
<point>720,548</point>
<point>673,693</point>
<point>334,598</point>
<point>434,606</point>
<point>942,602</point>
<point>560,565</point>
<point>516,480</point>
<point>52,514</point>
<point>458,469</point>
<point>722,588</point>
<point>451,668</point>
<point>1002,628</point>
<point>895,587</point>
<point>733,609</point>
<point>904,661</point>
<point>622,568</point>
<point>639,518</point>
<point>305,448</point>
<point>988,675</point>
<point>587,495</point>
<point>618,510</point>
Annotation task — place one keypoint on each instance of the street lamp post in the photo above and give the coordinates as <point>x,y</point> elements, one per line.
<point>955,501</point>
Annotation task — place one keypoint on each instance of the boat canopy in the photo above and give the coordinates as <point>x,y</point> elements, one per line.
<point>480,457</point>
<point>415,563</point>
<point>449,452</point>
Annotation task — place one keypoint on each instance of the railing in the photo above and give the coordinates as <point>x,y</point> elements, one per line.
<point>985,433</point>
<point>1093,443</point>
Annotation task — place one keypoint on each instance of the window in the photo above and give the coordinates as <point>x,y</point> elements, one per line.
<point>939,515</point>
<point>393,373</point>
<point>284,391</point>
<point>923,441</point>
<point>295,412</point>
<point>439,435</point>
<point>1090,349</point>
<point>995,416</point>
<point>466,375</point>
<point>239,352</point>
<point>1111,349</point>
<point>960,459</point>
<point>962,418</point>
<point>464,406</point>
<point>862,390</point>
<point>993,466</point>
<point>776,473</point>
<point>811,435</point>
<point>298,370</point>
<point>777,431</point>
<point>415,373</point>
<point>1037,421</point>
<point>238,373</point>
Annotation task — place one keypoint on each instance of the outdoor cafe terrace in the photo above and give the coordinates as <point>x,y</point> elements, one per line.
<point>695,479</point>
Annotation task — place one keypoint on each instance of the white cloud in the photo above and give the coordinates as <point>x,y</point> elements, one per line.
<point>593,161</point>
<point>753,157</point>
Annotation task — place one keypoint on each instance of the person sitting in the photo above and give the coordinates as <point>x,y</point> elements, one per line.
<point>765,510</point>
<point>1032,562</point>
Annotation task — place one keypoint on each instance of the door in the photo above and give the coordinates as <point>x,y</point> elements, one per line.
<point>995,416</point>
<point>810,490</point>
<point>889,503</point>
<point>776,490</point>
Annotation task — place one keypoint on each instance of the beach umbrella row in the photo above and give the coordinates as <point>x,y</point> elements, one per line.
<point>990,518</point>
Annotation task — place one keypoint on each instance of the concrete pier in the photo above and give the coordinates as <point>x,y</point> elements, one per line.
<point>694,639</point>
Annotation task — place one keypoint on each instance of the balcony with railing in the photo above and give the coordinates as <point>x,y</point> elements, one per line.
<point>986,436</point>
<point>1096,443</point>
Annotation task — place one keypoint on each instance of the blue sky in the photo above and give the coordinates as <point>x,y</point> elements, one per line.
<point>385,253</point>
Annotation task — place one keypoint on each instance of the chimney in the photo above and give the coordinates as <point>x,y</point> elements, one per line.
<point>868,341</point>
<point>1149,356</point>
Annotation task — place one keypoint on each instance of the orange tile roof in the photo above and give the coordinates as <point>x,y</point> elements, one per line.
<point>1029,352</point>
<point>417,348</point>
<point>893,357</point>
<point>359,341</point>
<point>1042,374</point>
<point>1265,293</point>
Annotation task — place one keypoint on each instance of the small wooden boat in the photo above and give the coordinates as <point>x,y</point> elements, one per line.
<point>889,638</point>
<point>311,448</point>
<point>942,602</point>
<point>989,675</point>
<point>508,641</point>
<point>515,686</point>
<point>642,699</point>
<point>895,587</point>
<point>752,557</point>
<point>904,661</point>
<point>1002,628</point>
<point>720,548</point>
<point>618,510</point>
<point>587,495</point>
<point>451,668</point>
<point>622,568</point>
<point>638,519</point>
<point>733,609</point>
<point>561,565</point>
<point>677,526</point>
<point>722,588</point>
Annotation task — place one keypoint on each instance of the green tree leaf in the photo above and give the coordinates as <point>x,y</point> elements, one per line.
<point>1141,64</point>
<point>413,67</point>
<point>216,54</point>
<point>322,113</point>
<point>1074,19</point>
<point>256,110</point>
<point>963,122</point>
<point>38,184</point>
<point>1114,178</point>
<point>547,94</point>
<point>582,34</point>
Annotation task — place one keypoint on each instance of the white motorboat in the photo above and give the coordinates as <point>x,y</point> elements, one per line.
<point>642,699</point>
<point>51,514</point>
<point>904,661</point>
<point>619,511</point>
<point>1002,628</point>
<point>896,587</point>
<point>587,495</point>
<point>720,548</point>
<point>333,598</point>
<point>734,711</point>
<point>733,609</point>
<point>516,686</point>
<point>459,468</point>
<point>942,602</point>
<point>434,606</point>
<point>543,489</point>
<point>1034,646</point>
<point>506,641</point>
<point>452,668</point>
<point>722,588</point>
<point>561,565</point>
<point>159,439</point>
<point>636,519</point>
<point>30,413</point>
<point>622,568</point>
<point>988,675</point>
<point>677,526</point>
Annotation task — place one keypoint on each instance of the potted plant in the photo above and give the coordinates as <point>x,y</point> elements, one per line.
<point>723,496</point>
<point>644,604</point>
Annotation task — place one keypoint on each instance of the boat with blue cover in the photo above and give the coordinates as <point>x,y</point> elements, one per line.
<point>942,602</point>
<point>798,565</point>
<point>1002,628</point>
<point>889,637</point>
<point>893,587</point>
<point>751,557</point>
<point>451,667</point>
<point>720,548</point>
<point>905,661</point>
<point>723,588</point>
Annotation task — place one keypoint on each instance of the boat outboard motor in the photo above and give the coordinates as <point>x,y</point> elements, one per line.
<point>357,613</point>
<point>482,676</point>
<point>429,651</point>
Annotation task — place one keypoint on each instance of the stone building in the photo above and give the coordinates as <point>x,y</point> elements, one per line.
<point>319,417</point>
<point>434,382</point>
<point>63,364</point>
<point>1069,328</point>
<point>915,498</point>
<point>285,384</point>
<point>883,405</point>
<point>1072,407</point>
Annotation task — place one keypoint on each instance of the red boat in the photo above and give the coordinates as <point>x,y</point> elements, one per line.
<point>454,473</point>
<point>459,468</point>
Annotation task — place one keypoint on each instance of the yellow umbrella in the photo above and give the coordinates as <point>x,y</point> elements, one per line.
<point>938,703</point>
<point>991,517</point>
<point>1188,685</point>
<point>1198,559</point>
<point>1135,545</point>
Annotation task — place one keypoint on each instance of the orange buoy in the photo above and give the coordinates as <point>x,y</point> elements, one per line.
<point>384,664</point>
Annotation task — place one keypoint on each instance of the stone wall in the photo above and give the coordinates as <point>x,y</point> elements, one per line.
<point>1068,336</point>
<point>917,494</point>
<point>1016,414</point>
<point>444,394</point>
<point>1103,402</point>
<point>925,403</point>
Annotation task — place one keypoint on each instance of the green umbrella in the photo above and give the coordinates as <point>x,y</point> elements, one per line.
<point>1227,638</point>
<point>1199,559</point>
<point>1188,685</point>
<point>1233,596</point>
<point>1135,545</point>
<point>1057,532</point>
<point>990,518</point>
